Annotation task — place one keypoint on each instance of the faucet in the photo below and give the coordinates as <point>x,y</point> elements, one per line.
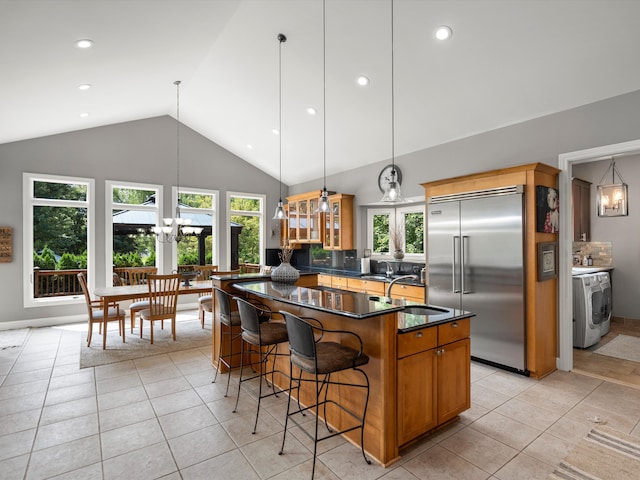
<point>389,271</point>
<point>402,277</point>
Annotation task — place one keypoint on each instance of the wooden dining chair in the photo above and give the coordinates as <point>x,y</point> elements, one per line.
<point>138,276</point>
<point>163,301</point>
<point>96,314</point>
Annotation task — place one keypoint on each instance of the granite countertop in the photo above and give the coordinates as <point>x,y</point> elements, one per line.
<point>353,305</point>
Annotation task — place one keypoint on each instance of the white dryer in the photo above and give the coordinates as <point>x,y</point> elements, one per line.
<point>587,310</point>
<point>604,280</point>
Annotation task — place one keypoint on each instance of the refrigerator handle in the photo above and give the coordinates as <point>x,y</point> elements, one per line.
<point>463,254</point>
<point>455,287</point>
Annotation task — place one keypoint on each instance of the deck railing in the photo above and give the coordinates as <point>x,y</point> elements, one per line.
<point>56,283</point>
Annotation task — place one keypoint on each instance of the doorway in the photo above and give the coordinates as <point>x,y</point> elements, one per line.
<point>566,162</point>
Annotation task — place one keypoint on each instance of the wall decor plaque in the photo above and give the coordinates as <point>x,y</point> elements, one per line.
<point>6,244</point>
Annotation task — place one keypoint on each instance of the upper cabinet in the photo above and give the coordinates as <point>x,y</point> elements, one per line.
<point>338,223</point>
<point>334,229</point>
<point>304,221</point>
<point>581,198</point>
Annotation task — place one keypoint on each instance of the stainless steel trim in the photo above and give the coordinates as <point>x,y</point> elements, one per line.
<point>513,189</point>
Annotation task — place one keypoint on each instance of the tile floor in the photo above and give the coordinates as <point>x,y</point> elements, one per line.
<point>161,417</point>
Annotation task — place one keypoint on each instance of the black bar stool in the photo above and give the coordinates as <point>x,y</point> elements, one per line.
<point>263,339</point>
<point>229,319</point>
<point>321,359</point>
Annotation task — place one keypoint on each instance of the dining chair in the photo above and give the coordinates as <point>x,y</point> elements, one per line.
<point>96,314</point>
<point>319,359</point>
<point>163,301</point>
<point>263,339</point>
<point>138,276</point>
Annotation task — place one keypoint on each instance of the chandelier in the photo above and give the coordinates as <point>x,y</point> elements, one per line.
<point>176,228</point>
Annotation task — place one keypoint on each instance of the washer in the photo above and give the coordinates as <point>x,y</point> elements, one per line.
<point>587,310</point>
<point>604,280</point>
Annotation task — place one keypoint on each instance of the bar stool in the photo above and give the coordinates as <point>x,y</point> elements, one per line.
<point>263,339</point>
<point>229,319</point>
<point>320,359</point>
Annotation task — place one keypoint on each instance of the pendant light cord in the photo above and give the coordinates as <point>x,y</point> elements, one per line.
<point>393,126</point>
<point>324,96</point>
<point>281,39</point>
<point>177,84</point>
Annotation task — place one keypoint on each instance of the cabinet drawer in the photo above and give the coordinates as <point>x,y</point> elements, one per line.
<point>324,280</point>
<point>339,282</point>
<point>408,292</point>
<point>453,331</point>
<point>365,286</point>
<point>417,341</point>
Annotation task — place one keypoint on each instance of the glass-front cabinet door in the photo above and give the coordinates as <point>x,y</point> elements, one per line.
<point>338,224</point>
<point>303,221</point>
<point>293,222</point>
<point>314,221</point>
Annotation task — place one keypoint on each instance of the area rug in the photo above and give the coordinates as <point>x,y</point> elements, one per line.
<point>189,334</point>
<point>605,454</point>
<point>624,347</point>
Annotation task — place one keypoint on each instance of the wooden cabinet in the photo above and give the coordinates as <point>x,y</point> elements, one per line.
<point>401,291</point>
<point>304,224</point>
<point>581,202</point>
<point>365,286</point>
<point>338,223</point>
<point>434,377</point>
<point>324,280</point>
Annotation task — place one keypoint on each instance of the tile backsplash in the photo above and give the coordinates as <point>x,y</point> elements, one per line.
<point>601,252</point>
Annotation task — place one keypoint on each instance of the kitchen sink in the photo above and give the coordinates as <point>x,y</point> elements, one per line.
<point>425,310</point>
<point>381,278</point>
<point>375,298</point>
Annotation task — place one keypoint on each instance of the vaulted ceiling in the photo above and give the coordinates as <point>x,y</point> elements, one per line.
<point>507,61</point>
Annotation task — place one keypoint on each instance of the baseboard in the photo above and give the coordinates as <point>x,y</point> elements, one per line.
<point>65,320</point>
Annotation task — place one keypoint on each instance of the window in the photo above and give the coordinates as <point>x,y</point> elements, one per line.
<point>200,207</point>
<point>58,240</point>
<point>247,219</point>
<point>401,228</point>
<point>131,210</point>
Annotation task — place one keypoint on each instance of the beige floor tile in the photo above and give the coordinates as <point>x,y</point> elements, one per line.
<point>28,366</point>
<point>510,432</point>
<point>175,402</point>
<point>187,421</point>
<point>399,474</point>
<point>263,455</point>
<point>23,389</point>
<point>625,399</point>
<point>479,370</point>
<point>66,431</point>
<point>65,394</point>
<point>121,398</point>
<point>91,472</point>
<point>588,414</point>
<point>153,362</point>
<point>240,427</point>
<point>131,437</point>
<point>112,370</point>
<point>486,397</point>
<point>303,471</point>
<point>166,387</point>
<point>156,458</point>
<point>121,382</point>
<point>479,449</point>
<point>230,466</point>
<point>506,384</point>
<point>57,460</point>
<point>210,392</point>
<point>66,369</point>
<point>203,378</point>
<point>16,422</point>
<point>27,377</point>
<point>76,378</point>
<point>202,364</point>
<point>473,414</point>
<point>163,372</point>
<point>549,449</point>
<point>127,415</point>
<point>570,430</point>
<point>17,443</point>
<point>200,445</point>
<point>14,468</point>
<point>188,356</point>
<point>549,398</point>
<point>524,467</point>
<point>438,463</point>
<point>22,404</point>
<point>309,427</point>
<point>536,417</point>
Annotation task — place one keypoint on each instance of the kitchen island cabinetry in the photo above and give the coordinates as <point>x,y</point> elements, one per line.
<point>405,372</point>
<point>434,374</point>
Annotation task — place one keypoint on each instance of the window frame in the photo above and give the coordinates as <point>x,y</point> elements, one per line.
<point>29,202</point>
<point>395,212</point>
<point>261,213</point>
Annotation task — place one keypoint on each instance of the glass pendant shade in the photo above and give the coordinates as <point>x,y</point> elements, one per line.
<point>323,206</point>
<point>392,192</point>
<point>280,213</point>
<point>612,198</point>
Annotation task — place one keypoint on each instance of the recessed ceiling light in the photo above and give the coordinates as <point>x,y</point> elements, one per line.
<point>84,86</point>
<point>275,131</point>
<point>363,81</point>
<point>84,43</point>
<point>311,111</point>
<point>249,146</point>
<point>443,32</point>
<point>84,114</point>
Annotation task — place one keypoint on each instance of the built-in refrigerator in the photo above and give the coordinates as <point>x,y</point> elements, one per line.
<point>476,263</point>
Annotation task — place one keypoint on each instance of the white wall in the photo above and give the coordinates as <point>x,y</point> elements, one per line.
<point>622,232</point>
<point>139,151</point>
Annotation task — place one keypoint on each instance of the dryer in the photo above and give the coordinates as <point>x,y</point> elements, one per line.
<point>604,279</point>
<point>587,310</point>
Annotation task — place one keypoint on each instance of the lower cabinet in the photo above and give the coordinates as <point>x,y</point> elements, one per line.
<point>433,379</point>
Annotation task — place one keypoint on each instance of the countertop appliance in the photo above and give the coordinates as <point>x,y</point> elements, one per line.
<point>476,263</point>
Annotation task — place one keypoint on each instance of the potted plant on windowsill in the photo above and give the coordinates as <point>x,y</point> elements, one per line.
<point>396,238</point>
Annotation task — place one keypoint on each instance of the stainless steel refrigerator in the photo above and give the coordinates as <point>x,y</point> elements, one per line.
<point>476,263</point>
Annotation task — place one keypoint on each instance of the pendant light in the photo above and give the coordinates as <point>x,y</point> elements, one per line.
<point>280,213</point>
<point>392,193</point>
<point>323,206</point>
<point>175,228</point>
<point>612,198</point>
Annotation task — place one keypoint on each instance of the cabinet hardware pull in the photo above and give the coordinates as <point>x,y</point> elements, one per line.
<point>419,335</point>
<point>442,351</point>
<point>454,325</point>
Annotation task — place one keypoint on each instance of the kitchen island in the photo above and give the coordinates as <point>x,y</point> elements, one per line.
<point>419,359</point>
